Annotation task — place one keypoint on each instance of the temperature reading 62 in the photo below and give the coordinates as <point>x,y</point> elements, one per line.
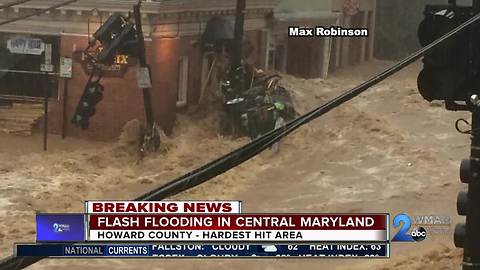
<point>292,247</point>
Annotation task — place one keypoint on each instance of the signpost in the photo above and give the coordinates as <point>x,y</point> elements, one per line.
<point>66,65</point>
<point>143,78</point>
<point>47,66</point>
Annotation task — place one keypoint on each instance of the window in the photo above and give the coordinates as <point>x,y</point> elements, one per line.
<point>182,82</point>
<point>21,59</point>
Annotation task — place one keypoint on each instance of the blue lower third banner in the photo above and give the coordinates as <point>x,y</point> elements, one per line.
<point>60,227</point>
<point>243,251</point>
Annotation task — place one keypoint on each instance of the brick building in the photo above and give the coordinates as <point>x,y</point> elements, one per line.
<point>172,30</point>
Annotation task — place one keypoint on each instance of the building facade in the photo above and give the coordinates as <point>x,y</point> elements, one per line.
<point>173,31</point>
<point>315,58</point>
<point>172,34</point>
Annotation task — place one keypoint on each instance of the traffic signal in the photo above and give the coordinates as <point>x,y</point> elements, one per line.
<point>116,35</point>
<point>451,72</point>
<point>448,68</point>
<point>462,204</point>
<point>218,34</point>
<point>466,234</point>
<point>113,25</point>
<point>92,95</point>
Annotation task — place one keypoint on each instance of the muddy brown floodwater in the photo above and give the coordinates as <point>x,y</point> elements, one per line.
<point>386,151</point>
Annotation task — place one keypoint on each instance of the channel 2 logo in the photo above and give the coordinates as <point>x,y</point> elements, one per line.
<point>404,222</point>
<point>59,228</point>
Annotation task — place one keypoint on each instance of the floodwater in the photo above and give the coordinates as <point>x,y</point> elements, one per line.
<point>386,151</point>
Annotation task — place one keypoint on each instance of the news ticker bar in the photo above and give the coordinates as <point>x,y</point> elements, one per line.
<point>317,250</point>
<point>237,228</point>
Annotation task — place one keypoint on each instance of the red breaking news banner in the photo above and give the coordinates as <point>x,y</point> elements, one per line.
<point>197,221</point>
<point>238,222</point>
<point>162,207</point>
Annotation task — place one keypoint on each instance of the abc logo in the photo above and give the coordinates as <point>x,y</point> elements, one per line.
<point>419,234</point>
<point>404,223</point>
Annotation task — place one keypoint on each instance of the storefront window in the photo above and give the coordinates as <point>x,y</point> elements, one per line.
<point>23,61</point>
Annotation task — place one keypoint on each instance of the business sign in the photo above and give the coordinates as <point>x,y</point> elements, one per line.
<point>119,67</point>
<point>26,45</point>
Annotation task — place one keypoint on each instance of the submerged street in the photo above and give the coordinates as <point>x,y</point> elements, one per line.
<point>388,150</point>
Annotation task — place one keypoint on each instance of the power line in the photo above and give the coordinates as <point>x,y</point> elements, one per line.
<point>14,3</point>
<point>38,12</point>
<point>250,150</point>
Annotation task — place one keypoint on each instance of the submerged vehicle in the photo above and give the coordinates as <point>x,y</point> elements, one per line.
<point>254,103</point>
<point>264,106</point>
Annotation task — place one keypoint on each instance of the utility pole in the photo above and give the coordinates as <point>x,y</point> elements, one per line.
<point>46,96</point>
<point>237,78</point>
<point>467,235</point>
<point>152,137</point>
<point>237,52</point>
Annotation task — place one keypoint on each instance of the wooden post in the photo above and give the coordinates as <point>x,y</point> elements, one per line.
<point>284,57</point>
<point>327,52</point>
<point>365,40</point>
<point>347,23</point>
<point>338,48</point>
<point>65,100</point>
<point>45,112</point>
<point>264,47</point>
